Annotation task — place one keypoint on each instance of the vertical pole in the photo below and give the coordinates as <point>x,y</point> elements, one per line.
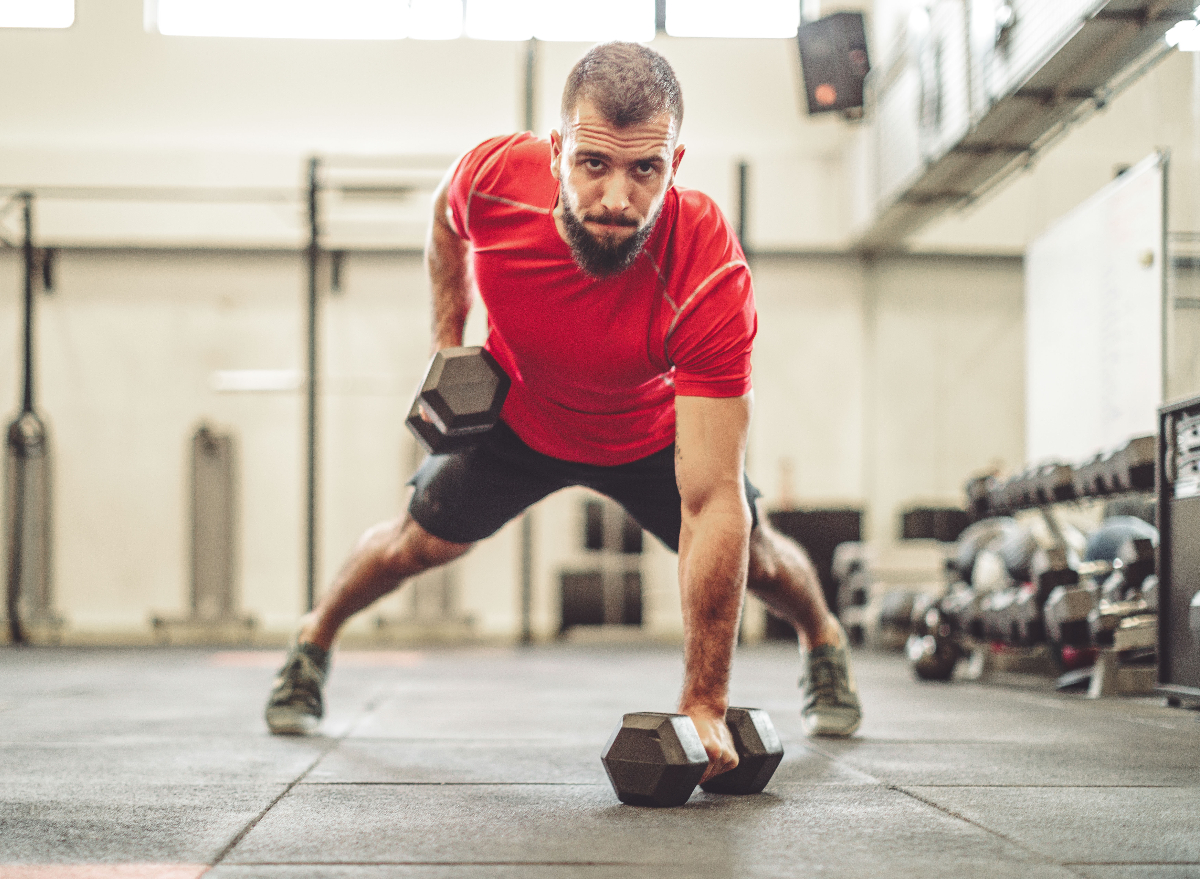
<point>18,443</point>
<point>30,269</point>
<point>527,577</point>
<point>743,203</point>
<point>527,518</point>
<point>530,83</point>
<point>314,259</point>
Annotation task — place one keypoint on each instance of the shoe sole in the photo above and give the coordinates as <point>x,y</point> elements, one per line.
<point>290,722</point>
<point>829,727</point>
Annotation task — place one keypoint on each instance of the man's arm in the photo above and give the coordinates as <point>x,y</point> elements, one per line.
<point>710,447</point>
<point>449,266</point>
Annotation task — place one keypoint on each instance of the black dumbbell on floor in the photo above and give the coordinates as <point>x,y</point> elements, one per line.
<point>462,394</point>
<point>656,759</point>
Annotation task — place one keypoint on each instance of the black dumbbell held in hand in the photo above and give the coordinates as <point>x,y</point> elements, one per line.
<point>656,759</point>
<point>459,400</point>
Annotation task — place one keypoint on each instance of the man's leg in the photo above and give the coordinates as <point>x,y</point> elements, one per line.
<point>783,577</point>
<point>463,496</point>
<point>385,557</point>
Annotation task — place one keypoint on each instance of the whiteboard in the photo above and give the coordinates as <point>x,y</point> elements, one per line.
<point>1095,290</point>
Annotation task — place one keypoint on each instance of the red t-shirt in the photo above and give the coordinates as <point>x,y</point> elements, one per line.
<point>596,363</point>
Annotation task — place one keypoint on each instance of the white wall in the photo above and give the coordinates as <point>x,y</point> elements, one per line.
<point>877,385</point>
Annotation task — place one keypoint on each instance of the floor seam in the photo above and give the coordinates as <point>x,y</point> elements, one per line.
<point>449,863</point>
<point>371,704</point>
<point>988,830</point>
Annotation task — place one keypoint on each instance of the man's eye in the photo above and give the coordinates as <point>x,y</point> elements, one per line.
<point>593,164</point>
<point>646,169</point>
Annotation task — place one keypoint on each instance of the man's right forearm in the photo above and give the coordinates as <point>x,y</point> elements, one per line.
<point>447,258</point>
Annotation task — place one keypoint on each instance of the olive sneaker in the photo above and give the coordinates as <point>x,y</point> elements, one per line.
<point>830,706</point>
<point>295,707</point>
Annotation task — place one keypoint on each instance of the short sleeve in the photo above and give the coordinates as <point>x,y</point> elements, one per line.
<point>467,177</point>
<point>714,336</point>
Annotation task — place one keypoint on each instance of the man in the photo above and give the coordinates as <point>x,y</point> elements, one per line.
<point>622,309</point>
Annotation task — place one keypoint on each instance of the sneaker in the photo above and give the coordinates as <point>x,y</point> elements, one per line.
<point>295,707</point>
<point>831,706</point>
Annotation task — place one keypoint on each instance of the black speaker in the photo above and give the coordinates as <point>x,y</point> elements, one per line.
<point>833,57</point>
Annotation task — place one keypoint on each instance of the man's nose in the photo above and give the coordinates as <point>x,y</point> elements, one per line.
<point>616,197</point>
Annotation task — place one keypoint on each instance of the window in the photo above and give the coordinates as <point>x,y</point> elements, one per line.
<point>307,19</point>
<point>721,18</point>
<point>579,20</point>
<point>585,21</point>
<point>37,13</point>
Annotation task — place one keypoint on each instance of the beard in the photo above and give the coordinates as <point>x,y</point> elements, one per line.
<point>600,258</point>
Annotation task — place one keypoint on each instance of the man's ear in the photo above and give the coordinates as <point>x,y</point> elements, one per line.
<point>555,152</point>
<point>676,158</point>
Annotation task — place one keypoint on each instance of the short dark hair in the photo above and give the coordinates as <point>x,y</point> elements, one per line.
<point>628,83</point>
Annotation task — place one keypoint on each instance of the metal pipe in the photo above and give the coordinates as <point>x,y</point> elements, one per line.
<point>16,441</point>
<point>530,83</point>
<point>30,270</point>
<point>743,203</point>
<point>314,260</point>
<point>527,577</point>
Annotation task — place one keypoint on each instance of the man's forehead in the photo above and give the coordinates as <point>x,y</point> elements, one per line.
<point>587,127</point>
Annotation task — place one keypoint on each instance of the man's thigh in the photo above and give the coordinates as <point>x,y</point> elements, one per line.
<point>470,494</point>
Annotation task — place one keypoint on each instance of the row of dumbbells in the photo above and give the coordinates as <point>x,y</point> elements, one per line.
<point>1098,603</point>
<point>1129,468</point>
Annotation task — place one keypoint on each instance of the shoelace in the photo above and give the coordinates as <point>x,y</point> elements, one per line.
<point>825,676</point>
<point>298,678</point>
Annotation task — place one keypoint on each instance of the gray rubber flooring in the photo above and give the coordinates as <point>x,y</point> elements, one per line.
<point>155,764</point>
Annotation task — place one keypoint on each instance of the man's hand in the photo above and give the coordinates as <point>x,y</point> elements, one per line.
<point>716,738</point>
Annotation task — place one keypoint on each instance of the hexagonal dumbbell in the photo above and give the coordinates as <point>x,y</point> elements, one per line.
<point>759,753</point>
<point>656,759</point>
<point>459,401</point>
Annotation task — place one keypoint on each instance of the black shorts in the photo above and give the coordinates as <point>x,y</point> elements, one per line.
<point>468,495</point>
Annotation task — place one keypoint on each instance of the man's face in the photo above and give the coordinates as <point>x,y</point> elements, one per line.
<point>613,181</point>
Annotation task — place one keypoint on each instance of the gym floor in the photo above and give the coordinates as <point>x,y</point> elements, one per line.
<point>155,764</point>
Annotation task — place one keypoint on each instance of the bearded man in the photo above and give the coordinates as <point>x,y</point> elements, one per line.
<point>622,309</point>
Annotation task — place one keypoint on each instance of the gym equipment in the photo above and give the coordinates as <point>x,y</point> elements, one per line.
<point>1066,612</point>
<point>1178,515</point>
<point>932,648</point>
<point>759,753</point>
<point>973,540</point>
<point>28,497</point>
<point>459,401</point>
<point>656,759</point>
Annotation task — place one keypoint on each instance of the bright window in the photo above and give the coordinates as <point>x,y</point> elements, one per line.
<point>721,18</point>
<point>301,19</point>
<point>586,21</point>
<point>500,19</point>
<point>37,13</point>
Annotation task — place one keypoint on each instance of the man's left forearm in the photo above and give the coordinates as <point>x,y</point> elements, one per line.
<point>713,558</point>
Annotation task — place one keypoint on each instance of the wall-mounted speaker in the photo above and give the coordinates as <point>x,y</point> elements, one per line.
<point>833,57</point>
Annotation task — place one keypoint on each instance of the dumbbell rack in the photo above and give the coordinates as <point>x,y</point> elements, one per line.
<point>1128,469</point>
<point>1178,498</point>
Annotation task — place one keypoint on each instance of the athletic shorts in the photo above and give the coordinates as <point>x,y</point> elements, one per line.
<point>468,495</point>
